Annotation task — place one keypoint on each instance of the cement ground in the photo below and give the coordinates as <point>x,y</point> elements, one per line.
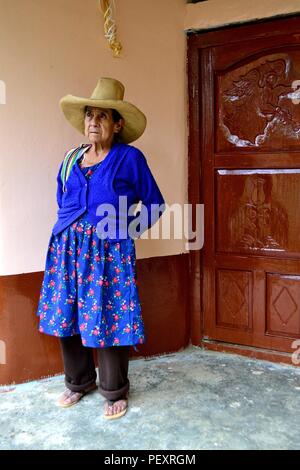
<point>192,399</point>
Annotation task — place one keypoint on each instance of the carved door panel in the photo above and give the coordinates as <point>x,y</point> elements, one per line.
<point>251,190</point>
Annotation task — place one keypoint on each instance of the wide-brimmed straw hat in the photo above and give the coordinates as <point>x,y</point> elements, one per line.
<point>108,93</point>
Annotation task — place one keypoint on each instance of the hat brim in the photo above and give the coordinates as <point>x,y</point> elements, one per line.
<point>135,121</point>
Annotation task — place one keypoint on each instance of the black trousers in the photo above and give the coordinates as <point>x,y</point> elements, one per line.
<point>79,367</point>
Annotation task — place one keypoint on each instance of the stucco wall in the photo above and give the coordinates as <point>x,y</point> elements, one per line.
<point>215,13</point>
<point>49,49</point>
<point>52,48</point>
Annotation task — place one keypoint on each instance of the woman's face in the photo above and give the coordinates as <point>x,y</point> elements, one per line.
<point>100,126</point>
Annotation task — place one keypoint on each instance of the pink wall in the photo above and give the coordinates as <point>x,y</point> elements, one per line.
<point>222,12</point>
<point>49,49</point>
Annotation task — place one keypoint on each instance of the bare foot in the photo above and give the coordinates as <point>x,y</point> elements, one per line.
<point>116,409</point>
<point>69,398</point>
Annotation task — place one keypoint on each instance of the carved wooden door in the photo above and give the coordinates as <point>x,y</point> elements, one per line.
<point>251,186</point>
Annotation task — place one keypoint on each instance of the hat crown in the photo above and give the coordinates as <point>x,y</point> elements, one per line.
<point>108,89</point>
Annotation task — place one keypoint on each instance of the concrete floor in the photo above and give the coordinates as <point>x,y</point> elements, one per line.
<point>193,399</point>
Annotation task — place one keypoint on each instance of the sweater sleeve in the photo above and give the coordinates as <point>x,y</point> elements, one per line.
<point>147,191</point>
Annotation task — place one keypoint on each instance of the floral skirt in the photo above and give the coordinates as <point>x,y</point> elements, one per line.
<point>90,288</point>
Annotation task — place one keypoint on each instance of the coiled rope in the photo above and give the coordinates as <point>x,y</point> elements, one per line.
<point>107,7</point>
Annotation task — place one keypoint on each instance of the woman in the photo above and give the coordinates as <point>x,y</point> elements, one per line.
<point>89,296</point>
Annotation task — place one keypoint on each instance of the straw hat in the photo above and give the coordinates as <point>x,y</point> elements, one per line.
<point>108,93</point>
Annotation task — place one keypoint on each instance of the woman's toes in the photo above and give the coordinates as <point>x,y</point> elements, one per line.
<point>108,409</point>
<point>69,397</point>
<point>115,408</point>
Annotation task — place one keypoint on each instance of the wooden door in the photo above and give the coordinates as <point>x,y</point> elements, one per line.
<point>249,134</point>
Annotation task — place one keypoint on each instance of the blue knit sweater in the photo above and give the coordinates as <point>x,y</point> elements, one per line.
<point>124,172</point>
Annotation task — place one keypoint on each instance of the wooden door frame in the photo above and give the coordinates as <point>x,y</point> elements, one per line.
<point>200,104</point>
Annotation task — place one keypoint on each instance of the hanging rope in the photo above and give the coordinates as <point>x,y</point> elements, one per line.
<point>107,8</point>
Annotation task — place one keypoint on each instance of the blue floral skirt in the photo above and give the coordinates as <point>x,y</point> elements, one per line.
<point>90,288</point>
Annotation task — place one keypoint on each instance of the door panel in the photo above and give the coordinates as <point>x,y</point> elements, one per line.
<point>255,101</point>
<point>258,212</point>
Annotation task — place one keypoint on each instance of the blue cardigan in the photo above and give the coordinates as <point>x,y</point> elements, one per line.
<point>123,163</point>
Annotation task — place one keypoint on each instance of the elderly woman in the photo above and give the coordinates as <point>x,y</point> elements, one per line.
<point>89,297</point>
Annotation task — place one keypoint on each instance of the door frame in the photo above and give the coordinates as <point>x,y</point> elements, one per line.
<point>200,104</point>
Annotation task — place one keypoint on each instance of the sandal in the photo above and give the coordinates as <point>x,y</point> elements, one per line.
<point>110,403</point>
<point>75,397</point>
